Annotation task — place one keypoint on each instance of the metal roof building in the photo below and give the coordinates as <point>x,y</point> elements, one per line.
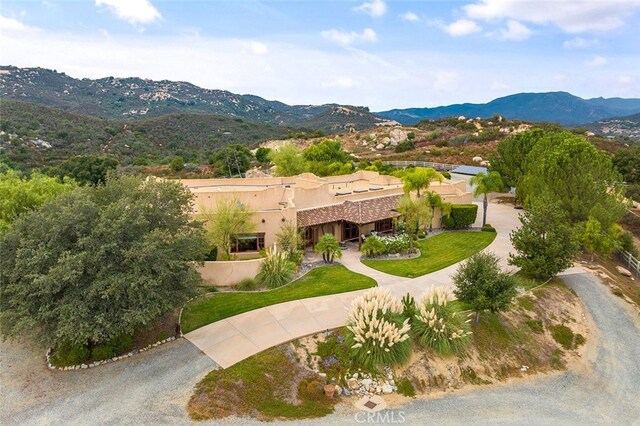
<point>469,170</point>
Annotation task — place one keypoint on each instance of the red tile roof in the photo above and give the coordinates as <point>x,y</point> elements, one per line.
<point>358,212</point>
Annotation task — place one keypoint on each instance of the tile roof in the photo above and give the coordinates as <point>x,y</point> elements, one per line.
<point>358,212</point>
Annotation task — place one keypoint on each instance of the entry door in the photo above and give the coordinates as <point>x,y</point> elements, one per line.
<point>349,231</point>
<point>309,236</point>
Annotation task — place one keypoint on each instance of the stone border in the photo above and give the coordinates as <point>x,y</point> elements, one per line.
<point>391,257</point>
<point>105,361</point>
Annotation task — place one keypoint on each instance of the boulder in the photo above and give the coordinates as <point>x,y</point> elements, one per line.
<point>366,382</point>
<point>398,135</point>
<point>623,271</point>
<point>353,384</point>
<point>380,146</point>
<point>387,388</point>
<point>477,159</point>
<point>462,118</point>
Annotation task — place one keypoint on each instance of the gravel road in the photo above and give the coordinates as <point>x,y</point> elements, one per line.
<point>153,388</point>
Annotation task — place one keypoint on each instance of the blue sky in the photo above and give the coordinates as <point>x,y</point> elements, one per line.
<point>382,54</point>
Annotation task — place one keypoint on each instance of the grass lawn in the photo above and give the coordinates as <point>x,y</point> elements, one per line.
<point>436,253</point>
<point>318,282</point>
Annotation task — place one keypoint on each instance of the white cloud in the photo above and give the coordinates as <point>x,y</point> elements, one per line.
<point>13,25</point>
<point>340,82</point>
<point>256,47</point>
<point>375,8</point>
<point>134,12</point>
<point>572,16</point>
<point>580,43</point>
<point>514,31</point>
<point>596,61</point>
<point>461,27</point>
<point>409,17</point>
<point>347,38</point>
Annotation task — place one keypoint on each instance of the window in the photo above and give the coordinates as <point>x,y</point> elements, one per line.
<point>248,242</point>
<point>384,225</point>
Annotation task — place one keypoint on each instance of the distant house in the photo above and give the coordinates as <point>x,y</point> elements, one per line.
<point>346,206</point>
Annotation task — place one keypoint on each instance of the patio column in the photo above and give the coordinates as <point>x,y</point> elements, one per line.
<point>359,237</point>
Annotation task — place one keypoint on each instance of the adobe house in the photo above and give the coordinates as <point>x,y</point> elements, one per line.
<point>346,206</point>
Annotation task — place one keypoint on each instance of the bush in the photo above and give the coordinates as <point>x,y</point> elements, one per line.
<point>247,284</point>
<point>212,255</point>
<point>563,335</point>
<point>376,333</point>
<point>405,146</point>
<point>372,246</point>
<point>447,222</point>
<point>442,144</point>
<point>396,244</point>
<point>488,228</point>
<point>102,352</point>
<point>405,387</point>
<point>463,215</point>
<point>421,234</point>
<point>627,243</point>
<point>439,325</point>
<point>275,270</point>
<point>69,354</point>
<point>446,175</point>
<point>121,344</point>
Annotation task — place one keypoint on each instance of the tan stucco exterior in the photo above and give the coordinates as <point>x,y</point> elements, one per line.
<point>221,273</point>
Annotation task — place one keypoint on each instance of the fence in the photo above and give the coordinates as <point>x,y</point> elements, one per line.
<point>438,166</point>
<point>631,262</point>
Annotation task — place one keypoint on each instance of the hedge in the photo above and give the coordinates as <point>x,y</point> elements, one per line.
<point>463,215</point>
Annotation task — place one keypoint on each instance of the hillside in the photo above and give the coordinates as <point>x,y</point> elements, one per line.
<point>33,135</point>
<point>559,107</point>
<point>620,127</point>
<point>136,98</point>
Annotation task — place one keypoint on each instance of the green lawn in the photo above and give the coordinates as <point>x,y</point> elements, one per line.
<point>318,282</point>
<point>436,253</point>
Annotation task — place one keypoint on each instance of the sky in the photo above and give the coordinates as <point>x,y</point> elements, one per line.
<point>375,53</point>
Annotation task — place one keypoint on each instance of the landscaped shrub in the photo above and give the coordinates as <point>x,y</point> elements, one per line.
<point>421,234</point>
<point>440,325</point>
<point>212,255</point>
<point>447,222</point>
<point>446,175</point>
<point>488,228</point>
<point>372,246</point>
<point>396,243</point>
<point>627,243</point>
<point>406,388</point>
<point>121,344</point>
<point>275,270</point>
<point>463,215</point>
<point>69,354</point>
<point>377,335</point>
<point>247,284</point>
<point>102,352</point>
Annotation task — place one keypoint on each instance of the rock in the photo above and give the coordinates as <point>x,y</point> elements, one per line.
<point>398,135</point>
<point>387,388</point>
<point>393,142</point>
<point>462,118</point>
<point>623,271</point>
<point>356,375</point>
<point>379,389</point>
<point>485,163</point>
<point>392,382</point>
<point>346,392</point>
<point>366,382</point>
<point>477,159</point>
<point>83,366</point>
<point>353,384</point>
<point>380,146</point>
<point>338,390</point>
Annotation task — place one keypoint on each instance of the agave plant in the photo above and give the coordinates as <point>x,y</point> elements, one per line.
<point>439,324</point>
<point>377,334</point>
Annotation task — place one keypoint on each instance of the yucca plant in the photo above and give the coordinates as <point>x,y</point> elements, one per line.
<point>275,270</point>
<point>377,334</point>
<point>440,325</point>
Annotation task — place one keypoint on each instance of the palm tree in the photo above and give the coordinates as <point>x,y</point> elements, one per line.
<point>420,178</point>
<point>329,247</point>
<point>484,184</point>
<point>435,201</point>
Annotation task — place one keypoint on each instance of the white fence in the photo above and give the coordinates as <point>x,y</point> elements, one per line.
<point>437,166</point>
<point>631,262</point>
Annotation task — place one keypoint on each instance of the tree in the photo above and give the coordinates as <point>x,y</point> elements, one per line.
<point>99,262</point>
<point>627,163</point>
<point>291,241</point>
<point>435,201</point>
<point>86,169</point>
<point>480,283</point>
<point>232,160</point>
<point>484,183</point>
<point>20,195</point>
<point>545,243</point>
<point>511,154</point>
<point>329,248</point>
<point>372,246</point>
<point>595,239</point>
<point>420,178</point>
<point>177,164</point>
<point>288,160</point>
<point>415,215</point>
<point>327,158</point>
<point>569,169</point>
<point>226,222</point>
<point>262,154</point>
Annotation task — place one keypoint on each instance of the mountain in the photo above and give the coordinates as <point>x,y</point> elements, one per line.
<point>35,136</point>
<point>621,127</point>
<point>560,107</point>
<point>135,98</point>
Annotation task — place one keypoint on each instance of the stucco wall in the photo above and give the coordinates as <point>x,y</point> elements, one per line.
<point>227,273</point>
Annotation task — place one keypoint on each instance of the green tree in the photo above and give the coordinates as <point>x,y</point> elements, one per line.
<point>435,201</point>
<point>262,155</point>
<point>545,243</point>
<point>420,178</point>
<point>510,157</point>
<point>288,160</point>
<point>98,262</point>
<point>177,164</point>
<point>327,158</point>
<point>226,222</point>
<point>291,240</point>
<point>480,283</point>
<point>372,246</point>
<point>232,160</point>
<point>20,195</point>
<point>329,248</point>
<point>627,163</point>
<point>595,239</point>
<point>484,183</point>
<point>569,169</point>
<point>86,169</point>
<point>415,215</point>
